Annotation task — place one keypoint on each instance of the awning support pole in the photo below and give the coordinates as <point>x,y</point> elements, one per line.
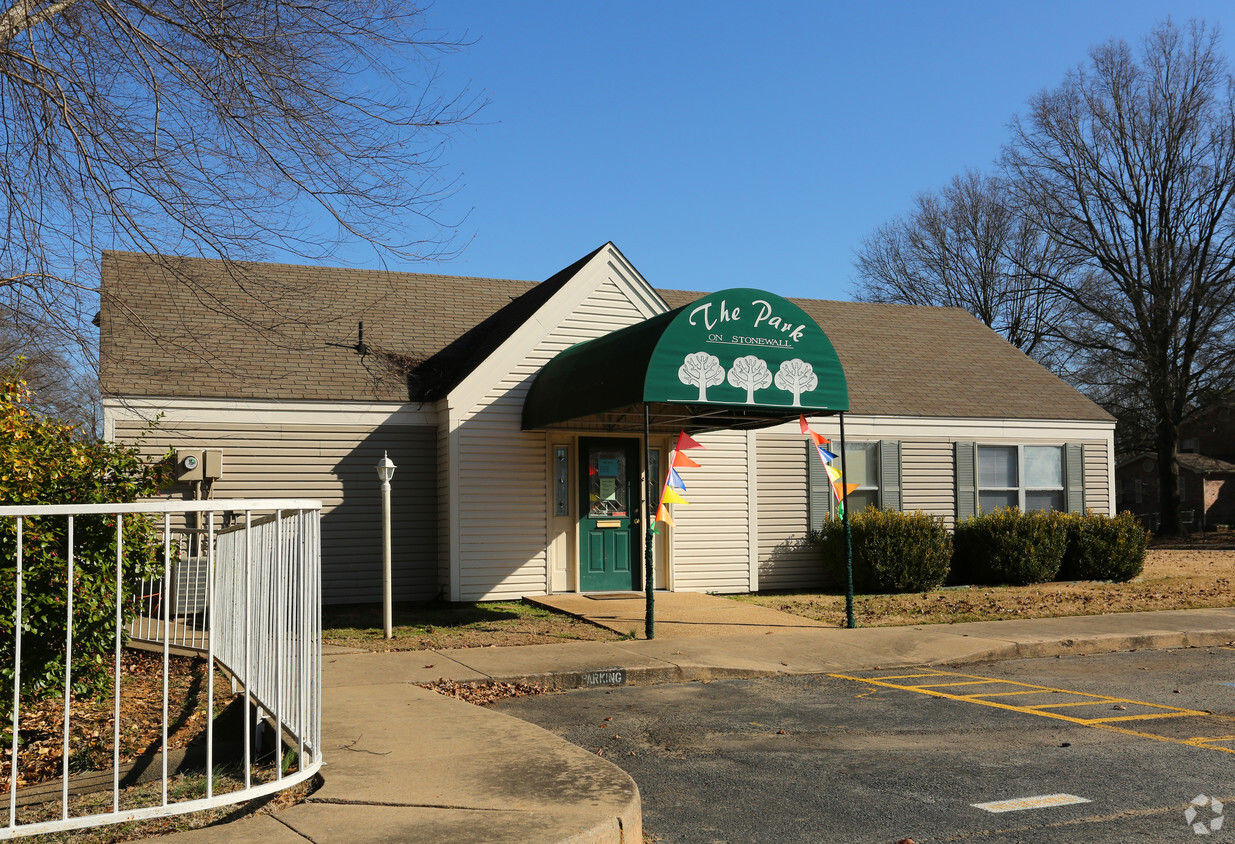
<point>649,620</point>
<point>844,517</point>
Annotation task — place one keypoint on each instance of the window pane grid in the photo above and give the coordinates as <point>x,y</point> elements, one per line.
<point>1027,477</point>
<point>862,468</point>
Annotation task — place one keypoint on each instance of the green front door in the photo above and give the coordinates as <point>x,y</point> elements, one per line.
<point>609,538</point>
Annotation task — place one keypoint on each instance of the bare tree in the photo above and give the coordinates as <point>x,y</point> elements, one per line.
<point>1129,166</point>
<point>967,247</point>
<point>61,387</point>
<point>222,128</point>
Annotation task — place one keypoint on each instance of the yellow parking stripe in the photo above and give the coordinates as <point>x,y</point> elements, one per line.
<point>1070,703</point>
<point>944,685</point>
<point>1001,694</point>
<point>908,676</point>
<point>1183,713</point>
<point>1095,723</point>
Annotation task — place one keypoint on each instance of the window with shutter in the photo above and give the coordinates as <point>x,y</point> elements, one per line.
<point>874,466</point>
<point>1028,477</point>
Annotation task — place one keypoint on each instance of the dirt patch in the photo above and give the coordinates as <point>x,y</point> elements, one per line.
<point>1172,580</point>
<point>433,626</point>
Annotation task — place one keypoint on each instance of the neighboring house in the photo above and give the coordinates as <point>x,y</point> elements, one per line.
<point>1211,432</point>
<point>496,490</point>
<point>1206,489</point>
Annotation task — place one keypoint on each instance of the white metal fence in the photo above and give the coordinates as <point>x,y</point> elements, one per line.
<point>239,586</point>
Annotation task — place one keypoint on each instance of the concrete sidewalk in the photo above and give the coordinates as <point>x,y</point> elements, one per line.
<point>406,764</point>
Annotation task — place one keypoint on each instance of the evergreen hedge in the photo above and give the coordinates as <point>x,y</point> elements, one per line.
<point>892,551</point>
<point>1103,548</point>
<point>1007,546</point>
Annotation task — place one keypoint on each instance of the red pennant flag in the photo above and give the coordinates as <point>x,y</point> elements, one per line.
<point>680,460</point>
<point>685,441</point>
<point>820,439</point>
<point>802,421</point>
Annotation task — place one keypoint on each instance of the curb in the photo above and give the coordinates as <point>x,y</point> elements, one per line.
<point>617,676</point>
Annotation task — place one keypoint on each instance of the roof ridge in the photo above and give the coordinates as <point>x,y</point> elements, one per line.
<point>197,259</point>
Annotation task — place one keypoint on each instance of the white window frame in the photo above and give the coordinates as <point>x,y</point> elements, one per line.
<point>1021,488</point>
<point>873,486</point>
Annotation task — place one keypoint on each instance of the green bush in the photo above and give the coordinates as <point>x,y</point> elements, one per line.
<point>44,461</point>
<point>1008,546</point>
<point>892,551</point>
<point>1103,548</point>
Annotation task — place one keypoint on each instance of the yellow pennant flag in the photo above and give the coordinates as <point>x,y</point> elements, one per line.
<point>833,473</point>
<point>672,497</point>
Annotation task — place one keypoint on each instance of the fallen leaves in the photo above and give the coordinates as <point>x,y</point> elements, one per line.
<point>92,721</point>
<point>482,693</point>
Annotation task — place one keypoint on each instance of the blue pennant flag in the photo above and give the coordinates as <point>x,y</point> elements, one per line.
<point>825,455</point>
<point>675,480</point>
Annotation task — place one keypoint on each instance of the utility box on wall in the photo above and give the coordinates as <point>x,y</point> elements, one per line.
<point>212,463</point>
<point>195,464</point>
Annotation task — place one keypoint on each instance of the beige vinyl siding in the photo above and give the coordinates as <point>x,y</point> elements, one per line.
<point>711,542</point>
<point>786,559</point>
<point>330,462</point>
<point>443,501</point>
<point>503,480</point>
<point>928,478</point>
<point>1097,478</point>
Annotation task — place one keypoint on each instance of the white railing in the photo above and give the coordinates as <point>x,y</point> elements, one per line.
<point>246,597</point>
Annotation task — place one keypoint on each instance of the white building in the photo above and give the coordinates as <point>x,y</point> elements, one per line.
<point>499,495</point>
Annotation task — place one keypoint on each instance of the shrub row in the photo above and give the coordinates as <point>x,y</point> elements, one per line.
<point>892,551</point>
<point>914,552</point>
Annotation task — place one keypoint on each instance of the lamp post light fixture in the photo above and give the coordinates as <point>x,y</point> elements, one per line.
<point>386,471</point>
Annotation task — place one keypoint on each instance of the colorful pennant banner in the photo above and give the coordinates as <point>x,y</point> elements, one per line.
<point>840,490</point>
<point>673,481</point>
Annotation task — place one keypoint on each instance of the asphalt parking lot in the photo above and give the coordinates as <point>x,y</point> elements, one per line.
<point>1110,748</point>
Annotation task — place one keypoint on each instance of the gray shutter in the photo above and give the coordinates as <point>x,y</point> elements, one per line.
<point>1074,477</point>
<point>890,474</point>
<point>966,480</point>
<point>819,490</point>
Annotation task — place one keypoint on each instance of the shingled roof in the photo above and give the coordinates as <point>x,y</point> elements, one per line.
<point>189,327</point>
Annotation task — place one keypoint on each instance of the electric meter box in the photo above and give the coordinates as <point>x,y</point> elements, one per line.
<point>195,464</point>
<point>212,463</point>
<point>189,464</point>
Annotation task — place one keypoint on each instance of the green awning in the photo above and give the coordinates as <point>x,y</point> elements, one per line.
<point>740,358</point>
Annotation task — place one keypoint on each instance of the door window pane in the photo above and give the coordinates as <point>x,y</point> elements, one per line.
<point>561,480</point>
<point>607,483</point>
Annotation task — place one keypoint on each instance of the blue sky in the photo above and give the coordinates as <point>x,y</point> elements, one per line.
<point>727,144</point>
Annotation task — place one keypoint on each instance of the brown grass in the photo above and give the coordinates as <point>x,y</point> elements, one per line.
<point>433,626</point>
<point>1172,580</point>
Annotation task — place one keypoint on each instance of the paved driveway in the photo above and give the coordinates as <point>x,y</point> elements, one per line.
<point>1096,749</point>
